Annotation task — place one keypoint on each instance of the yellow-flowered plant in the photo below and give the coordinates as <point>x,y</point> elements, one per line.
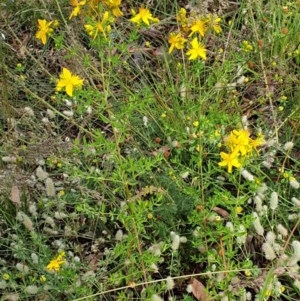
<point>190,26</point>
<point>45,28</point>
<point>56,263</point>
<point>102,26</point>
<point>239,145</point>
<point>176,41</point>
<point>230,160</point>
<point>199,26</point>
<point>214,23</point>
<point>68,81</point>
<point>182,20</point>
<point>246,46</point>
<point>114,6</point>
<point>143,16</point>
<point>197,50</point>
<point>77,7</point>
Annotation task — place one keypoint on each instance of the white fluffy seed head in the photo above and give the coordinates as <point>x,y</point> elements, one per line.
<point>155,249</point>
<point>248,296</point>
<point>32,209</point>
<point>119,235</point>
<point>268,251</point>
<point>170,283</point>
<point>293,260</point>
<point>189,288</point>
<point>156,298</point>
<point>282,230</point>
<point>50,188</point>
<point>49,220</point>
<point>257,225</point>
<point>288,146</point>
<point>3,284</point>
<point>258,203</point>
<point>292,217</point>
<point>50,114</point>
<point>267,164</point>
<point>270,237</point>
<point>45,120</point>
<point>154,268</point>
<point>296,201</point>
<point>274,200</point>
<point>41,174</point>
<point>31,289</point>
<point>245,121</point>
<point>294,183</point>
<point>89,275</point>
<point>262,189</point>
<point>183,239</point>
<point>241,235</point>
<point>28,111</point>
<point>247,175</point>
<point>277,248</point>
<point>25,219</point>
<point>175,242</point>
<point>145,121</point>
<point>60,215</point>
<point>89,110</point>
<point>11,297</point>
<point>229,225</point>
<point>296,247</point>
<point>34,258</point>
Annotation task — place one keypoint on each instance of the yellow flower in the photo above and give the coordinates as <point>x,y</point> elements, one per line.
<point>177,41</point>
<point>68,81</point>
<point>268,293</point>
<point>90,29</point>
<point>238,209</point>
<point>246,46</point>
<point>61,193</point>
<point>254,143</point>
<point>242,141</point>
<point>44,29</point>
<point>181,17</point>
<point>102,26</point>
<point>113,5</point>
<point>76,10</point>
<point>43,278</point>
<point>198,50</point>
<point>248,273</point>
<point>230,160</point>
<point>214,23</point>
<point>199,26</point>
<point>145,16</point>
<point>183,20</point>
<point>55,264</point>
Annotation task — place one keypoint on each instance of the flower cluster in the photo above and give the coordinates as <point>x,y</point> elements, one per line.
<point>56,263</point>
<point>196,28</point>
<point>103,26</point>
<point>239,145</point>
<point>96,6</point>
<point>246,46</point>
<point>102,14</point>
<point>143,16</point>
<point>45,29</point>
